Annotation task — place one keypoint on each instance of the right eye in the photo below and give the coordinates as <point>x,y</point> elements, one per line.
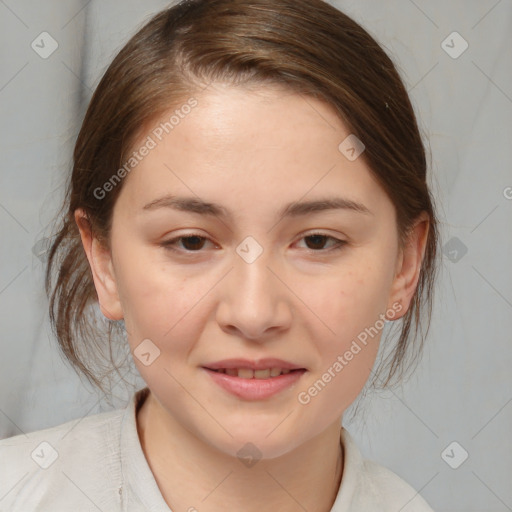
<point>193,241</point>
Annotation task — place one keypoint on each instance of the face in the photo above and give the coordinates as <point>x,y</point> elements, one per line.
<point>255,279</point>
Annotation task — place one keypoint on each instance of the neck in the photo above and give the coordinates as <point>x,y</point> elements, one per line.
<point>191,473</point>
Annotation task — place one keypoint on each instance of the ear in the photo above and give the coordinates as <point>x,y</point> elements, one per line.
<point>100,261</point>
<point>408,267</point>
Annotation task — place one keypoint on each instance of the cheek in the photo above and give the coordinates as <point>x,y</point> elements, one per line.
<point>346,341</point>
<point>161,309</point>
<point>351,301</point>
<point>350,309</point>
<point>157,302</point>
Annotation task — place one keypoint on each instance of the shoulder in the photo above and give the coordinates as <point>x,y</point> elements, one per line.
<point>367,485</point>
<point>390,490</point>
<point>72,463</point>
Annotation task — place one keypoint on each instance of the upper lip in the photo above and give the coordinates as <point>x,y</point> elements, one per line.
<point>260,364</point>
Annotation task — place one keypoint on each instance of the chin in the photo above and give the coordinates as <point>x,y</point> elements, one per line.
<point>249,445</point>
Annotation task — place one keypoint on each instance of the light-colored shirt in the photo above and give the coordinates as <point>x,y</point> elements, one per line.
<point>97,464</point>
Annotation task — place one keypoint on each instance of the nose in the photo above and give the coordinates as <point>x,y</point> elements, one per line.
<point>255,302</point>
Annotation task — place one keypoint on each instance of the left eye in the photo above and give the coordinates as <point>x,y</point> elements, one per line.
<point>194,243</point>
<point>317,239</point>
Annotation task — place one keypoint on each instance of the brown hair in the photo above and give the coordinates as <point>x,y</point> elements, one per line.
<point>309,47</point>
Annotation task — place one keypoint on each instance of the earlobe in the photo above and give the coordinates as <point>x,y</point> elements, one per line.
<point>409,266</point>
<point>100,261</point>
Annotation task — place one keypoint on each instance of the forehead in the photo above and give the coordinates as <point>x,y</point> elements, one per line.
<point>269,145</point>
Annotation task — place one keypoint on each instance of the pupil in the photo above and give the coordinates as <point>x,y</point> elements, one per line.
<point>318,238</point>
<point>196,238</point>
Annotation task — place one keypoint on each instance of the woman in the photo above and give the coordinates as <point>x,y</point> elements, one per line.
<point>249,202</point>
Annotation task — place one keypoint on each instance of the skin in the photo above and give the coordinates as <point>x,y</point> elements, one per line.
<point>252,151</point>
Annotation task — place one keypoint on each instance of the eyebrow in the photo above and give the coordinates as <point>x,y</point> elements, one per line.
<point>294,209</point>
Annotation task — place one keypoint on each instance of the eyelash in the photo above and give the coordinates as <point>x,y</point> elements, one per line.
<point>169,244</point>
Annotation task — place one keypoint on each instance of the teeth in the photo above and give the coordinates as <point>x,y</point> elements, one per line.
<point>247,373</point>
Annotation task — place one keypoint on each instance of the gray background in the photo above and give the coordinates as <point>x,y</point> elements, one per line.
<point>462,390</point>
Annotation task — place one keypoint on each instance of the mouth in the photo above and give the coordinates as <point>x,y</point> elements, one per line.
<point>248,384</point>
<point>248,373</point>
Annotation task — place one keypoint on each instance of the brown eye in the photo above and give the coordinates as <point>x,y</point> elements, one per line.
<point>194,243</point>
<point>191,243</point>
<point>318,240</point>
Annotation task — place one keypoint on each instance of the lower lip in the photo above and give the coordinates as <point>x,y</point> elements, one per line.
<point>255,389</point>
